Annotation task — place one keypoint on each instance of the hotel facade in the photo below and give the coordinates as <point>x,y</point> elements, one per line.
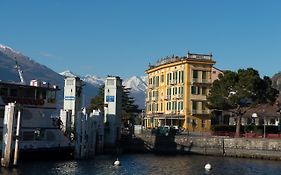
<point>177,91</point>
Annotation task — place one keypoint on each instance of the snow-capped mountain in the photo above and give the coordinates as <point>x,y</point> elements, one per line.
<point>33,70</point>
<point>138,89</point>
<point>9,51</point>
<point>96,81</point>
<point>68,73</point>
<point>136,84</point>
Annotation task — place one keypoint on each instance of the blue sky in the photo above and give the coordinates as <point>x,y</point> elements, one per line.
<point>121,37</point>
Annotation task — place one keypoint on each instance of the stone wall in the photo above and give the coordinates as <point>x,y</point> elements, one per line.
<point>219,146</point>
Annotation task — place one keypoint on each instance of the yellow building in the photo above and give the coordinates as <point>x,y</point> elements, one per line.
<point>177,90</point>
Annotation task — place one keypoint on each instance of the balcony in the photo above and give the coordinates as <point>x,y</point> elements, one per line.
<point>168,97</point>
<point>201,81</point>
<point>151,86</point>
<point>180,96</point>
<point>154,98</point>
<point>173,82</point>
<point>206,81</point>
<point>200,112</point>
<point>171,112</point>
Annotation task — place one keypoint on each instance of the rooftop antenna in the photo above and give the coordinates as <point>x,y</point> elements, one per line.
<point>17,66</point>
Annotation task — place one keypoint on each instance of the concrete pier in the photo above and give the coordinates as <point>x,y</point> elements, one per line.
<point>8,140</point>
<point>216,146</point>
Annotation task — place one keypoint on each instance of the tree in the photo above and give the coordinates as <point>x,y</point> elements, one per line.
<point>128,106</point>
<point>238,91</point>
<point>129,109</point>
<point>97,102</point>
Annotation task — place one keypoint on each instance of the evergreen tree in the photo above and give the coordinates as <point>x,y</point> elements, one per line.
<point>128,106</point>
<point>97,102</point>
<point>129,109</point>
<point>238,91</point>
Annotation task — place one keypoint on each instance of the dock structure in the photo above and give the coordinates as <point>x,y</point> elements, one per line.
<point>85,130</point>
<point>72,104</point>
<point>8,138</point>
<point>112,110</point>
<point>89,134</point>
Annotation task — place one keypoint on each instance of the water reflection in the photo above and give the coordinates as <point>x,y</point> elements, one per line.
<point>143,164</point>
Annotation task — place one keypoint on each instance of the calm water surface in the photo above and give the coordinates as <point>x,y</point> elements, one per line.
<point>141,164</point>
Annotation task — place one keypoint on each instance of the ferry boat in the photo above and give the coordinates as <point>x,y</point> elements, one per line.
<point>40,126</point>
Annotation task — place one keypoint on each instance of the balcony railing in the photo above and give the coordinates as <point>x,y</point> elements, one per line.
<point>171,112</point>
<point>154,98</point>
<point>205,81</point>
<point>180,96</point>
<point>173,82</point>
<point>151,86</point>
<point>201,112</point>
<point>168,97</point>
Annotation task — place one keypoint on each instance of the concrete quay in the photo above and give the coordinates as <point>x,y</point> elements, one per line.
<point>207,145</point>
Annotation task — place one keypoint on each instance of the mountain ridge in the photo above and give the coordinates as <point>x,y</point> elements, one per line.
<point>33,70</point>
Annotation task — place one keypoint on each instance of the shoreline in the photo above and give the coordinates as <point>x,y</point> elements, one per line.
<point>253,148</point>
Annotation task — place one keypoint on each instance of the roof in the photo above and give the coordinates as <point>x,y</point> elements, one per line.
<point>191,57</point>
<point>263,110</point>
<point>19,85</point>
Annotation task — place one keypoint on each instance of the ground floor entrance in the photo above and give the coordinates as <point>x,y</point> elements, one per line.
<point>188,123</point>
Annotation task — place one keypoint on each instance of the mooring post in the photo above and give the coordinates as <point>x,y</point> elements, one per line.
<point>16,154</point>
<point>7,134</point>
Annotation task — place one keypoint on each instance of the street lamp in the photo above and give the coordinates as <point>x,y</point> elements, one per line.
<point>255,115</point>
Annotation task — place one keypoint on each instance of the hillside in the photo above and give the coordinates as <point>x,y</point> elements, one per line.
<point>33,70</point>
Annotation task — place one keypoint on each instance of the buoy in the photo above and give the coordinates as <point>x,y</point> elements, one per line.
<point>117,162</point>
<point>208,167</point>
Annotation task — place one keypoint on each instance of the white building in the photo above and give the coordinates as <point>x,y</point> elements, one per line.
<point>112,109</point>
<point>72,99</point>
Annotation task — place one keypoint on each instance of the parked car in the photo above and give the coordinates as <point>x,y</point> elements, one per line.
<point>177,129</point>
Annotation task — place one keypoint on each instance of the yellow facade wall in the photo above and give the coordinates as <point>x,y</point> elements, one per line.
<point>187,118</point>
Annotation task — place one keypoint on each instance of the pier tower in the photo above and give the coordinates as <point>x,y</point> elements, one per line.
<point>72,100</point>
<point>112,109</point>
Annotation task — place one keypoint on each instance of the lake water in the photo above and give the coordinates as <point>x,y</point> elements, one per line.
<point>144,164</point>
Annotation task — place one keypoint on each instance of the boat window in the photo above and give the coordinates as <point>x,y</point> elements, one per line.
<point>51,96</point>
<point>3,91</point>
<point>28,135</point>
<point>29,93</point>
<point>41,94</point>
<point>13,92</point>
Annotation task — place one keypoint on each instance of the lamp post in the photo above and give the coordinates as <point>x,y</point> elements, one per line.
<point>264,132</point>
<point>255,115</point>
<point>264,127</point>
